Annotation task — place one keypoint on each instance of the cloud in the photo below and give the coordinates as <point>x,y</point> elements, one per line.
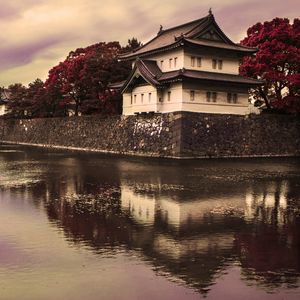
<point>8,12</point>
<point>26,53</point>
<point>36,34</point>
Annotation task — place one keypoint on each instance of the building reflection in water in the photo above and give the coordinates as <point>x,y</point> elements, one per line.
<point>188,228</point>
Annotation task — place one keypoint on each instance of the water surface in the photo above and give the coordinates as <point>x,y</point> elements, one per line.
<point>86,226</point>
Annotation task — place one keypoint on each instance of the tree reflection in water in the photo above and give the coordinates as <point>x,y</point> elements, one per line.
<point>190,220</point>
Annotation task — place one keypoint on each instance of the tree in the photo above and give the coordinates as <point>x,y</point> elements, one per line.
<point>82,79</point>
<point>277,62</point>
<point>17,104</point>
<point>132,44</point>
<point>36,98</point>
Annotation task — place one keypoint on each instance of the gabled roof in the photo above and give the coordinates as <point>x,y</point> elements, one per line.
<point>148,69</point>
<point>152,74</point>
<point>204,30</point>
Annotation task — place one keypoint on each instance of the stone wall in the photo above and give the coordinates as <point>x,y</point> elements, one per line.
<point>143,135</point>
<point>166,135</point>
<point>230,135</point>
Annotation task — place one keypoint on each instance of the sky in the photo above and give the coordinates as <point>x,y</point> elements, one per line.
<point>36,35</point>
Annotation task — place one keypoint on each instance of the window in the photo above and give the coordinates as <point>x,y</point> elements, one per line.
<point>170,62</point>
<point>217,63</point>
<point>175,62</point>
<point>214,63</point>
<point>192,95</point>
<point>160,99</point>
<point>134,99</point>
<point>169,96</point>
<point>130,99</point>
<point>193,61</point>
<point>149,97</point>
<point>220,64</point>
<point>161,64</point>
<point>229,96</point>
<point>208,96</point>
<point>235,98</point>
<point>232,98</point>
<point>214,96</point>
<point>142,98</point>
<point>199,62</point>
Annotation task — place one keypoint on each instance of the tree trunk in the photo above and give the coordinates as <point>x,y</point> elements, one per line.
<point>265,97</point>
<point>76,107</point>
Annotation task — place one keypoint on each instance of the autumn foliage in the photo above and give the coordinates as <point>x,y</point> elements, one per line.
<point>277,62</point>
<point>81,80</point>
<point>78,85</point>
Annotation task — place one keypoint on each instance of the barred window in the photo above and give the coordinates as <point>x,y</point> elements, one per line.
<point>199,62</point>
<point>214,97</point>
<point>169,96</point>
<point>208,96</point>
<point>214,63</point>
<point>220,64</point>
<point>193,61</point>
<point>229,97</point>
<point>192,95</point>
<point>235,98</point>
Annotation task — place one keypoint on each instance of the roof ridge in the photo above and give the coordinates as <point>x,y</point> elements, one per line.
<point>143,63</point>
<point>184,24</point>
<point>164,31</point>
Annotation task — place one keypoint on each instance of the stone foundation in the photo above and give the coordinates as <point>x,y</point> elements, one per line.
<point>177,135</point>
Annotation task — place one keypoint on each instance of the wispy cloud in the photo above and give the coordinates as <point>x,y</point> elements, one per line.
<point>36,34</point>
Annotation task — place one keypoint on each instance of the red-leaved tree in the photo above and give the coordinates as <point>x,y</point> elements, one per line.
<point>81,80</point>
<point>277,62</point>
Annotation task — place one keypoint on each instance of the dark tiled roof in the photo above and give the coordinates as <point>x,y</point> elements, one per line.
<point>150,71</point>
<point>164,38</point>
<point>216,44</point>
<point>172,37</point>
<point>211,76</point>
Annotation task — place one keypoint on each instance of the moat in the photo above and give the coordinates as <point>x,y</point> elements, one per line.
<point>90,226</point>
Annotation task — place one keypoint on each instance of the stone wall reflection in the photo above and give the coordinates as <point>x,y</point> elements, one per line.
<point>187,227</point>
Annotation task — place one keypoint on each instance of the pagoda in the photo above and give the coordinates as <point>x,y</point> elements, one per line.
<point>191,67</point>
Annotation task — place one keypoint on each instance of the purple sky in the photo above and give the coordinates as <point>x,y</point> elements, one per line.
<point>36,34</point>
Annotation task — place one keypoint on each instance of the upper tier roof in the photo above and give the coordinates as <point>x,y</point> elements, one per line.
<point>152,74</point>
<point>204,32</point>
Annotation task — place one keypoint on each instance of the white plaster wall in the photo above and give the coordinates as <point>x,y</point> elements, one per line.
<point>139,106</point>
<point>180,101</point>
<point>221,106</point>
<point>165,58</point>
<point>175,103</point>
<point>230,66</point>
<point>127,107</point>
